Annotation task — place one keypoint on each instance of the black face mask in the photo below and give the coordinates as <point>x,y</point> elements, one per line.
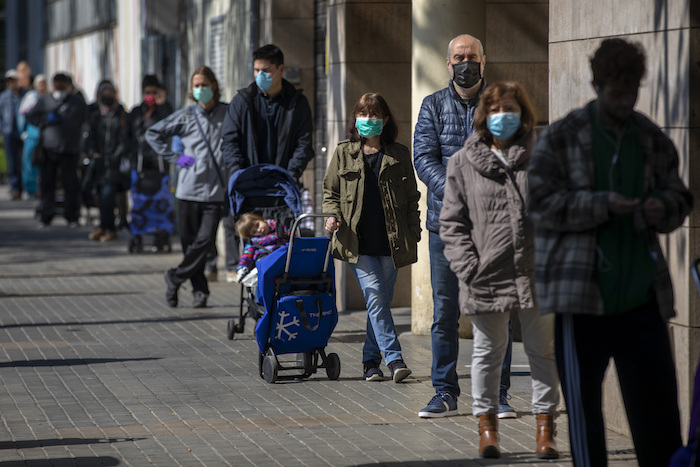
<point>107,100</point>
<point>467,73</point>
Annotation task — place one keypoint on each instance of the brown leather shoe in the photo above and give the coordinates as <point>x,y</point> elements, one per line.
<point>488,436</point>
<point>96,234</point>
<point>109,236</point>
<point>546,431</point>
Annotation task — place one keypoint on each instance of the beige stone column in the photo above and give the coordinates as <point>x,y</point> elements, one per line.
<point>670,96</point>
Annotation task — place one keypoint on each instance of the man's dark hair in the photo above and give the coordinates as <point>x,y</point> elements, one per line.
<point>150,80</point>
<point>62,78</point>
<point>269,52</point>
<point>618,60</point>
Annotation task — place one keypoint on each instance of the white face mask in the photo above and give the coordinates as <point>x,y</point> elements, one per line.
<point>58,95</point>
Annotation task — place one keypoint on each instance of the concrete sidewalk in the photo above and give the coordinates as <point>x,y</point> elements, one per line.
<point>97,370</point>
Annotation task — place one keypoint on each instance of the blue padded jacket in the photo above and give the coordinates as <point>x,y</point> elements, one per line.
<point>444,124</point>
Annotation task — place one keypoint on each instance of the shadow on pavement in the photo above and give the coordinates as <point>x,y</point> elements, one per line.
<point>44,443</point>
<point>174,319</point>
<point>84,461</point>
<point>70,362</point>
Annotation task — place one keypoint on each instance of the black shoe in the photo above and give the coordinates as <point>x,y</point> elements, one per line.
<point>171,291</point>
<point>372,371</point>
<point>200,299</point>
<point>399,370</point>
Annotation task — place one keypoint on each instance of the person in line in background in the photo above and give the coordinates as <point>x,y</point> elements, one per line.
<point>603,184</point>
<point>30,134</point>
<point>374,171</point>
<point>105,145</point>
<point>489,244</point>
<point>24,76</point>
<point>60,115</point>
<point>201,186</point>
<point>10,100</point>
<point>445,121</point>
<point>140,119</point>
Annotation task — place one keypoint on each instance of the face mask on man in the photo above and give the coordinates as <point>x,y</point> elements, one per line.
<point>368,127</point>
<point>263,80</point>
<point>466,74</point>
<point>503,125</point>
<point>108,100</point>
<point>149,100</point>
<point>59,95</point>
<point>202,94</point>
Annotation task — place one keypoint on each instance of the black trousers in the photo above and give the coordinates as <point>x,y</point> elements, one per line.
<point>68,163</point>
<point>638,342</point>
<point>198,224</point>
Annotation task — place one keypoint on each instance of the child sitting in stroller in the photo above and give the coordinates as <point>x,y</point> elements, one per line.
<point>264,238</point>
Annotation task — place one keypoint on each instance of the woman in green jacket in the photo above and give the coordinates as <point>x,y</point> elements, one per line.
<point>370,183</point>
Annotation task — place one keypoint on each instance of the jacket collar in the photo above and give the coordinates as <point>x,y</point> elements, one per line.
<point>481,157</point>
<point>474,101</point>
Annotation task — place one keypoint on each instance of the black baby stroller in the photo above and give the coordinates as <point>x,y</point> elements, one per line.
<point>270,191</point>
<point>152,207</point>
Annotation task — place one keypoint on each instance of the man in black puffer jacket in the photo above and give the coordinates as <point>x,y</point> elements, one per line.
<point>444,123</point>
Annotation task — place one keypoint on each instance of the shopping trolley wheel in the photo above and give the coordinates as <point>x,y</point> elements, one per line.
<point>333,366</point>
<point>307,361</point>
<point>231,329</point>
<point>269,368</point>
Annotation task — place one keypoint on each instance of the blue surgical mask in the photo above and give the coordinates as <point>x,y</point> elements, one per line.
<point>263,80</point>
<point>504,125</point>
<point>202,94</point>
<point>367,127</point>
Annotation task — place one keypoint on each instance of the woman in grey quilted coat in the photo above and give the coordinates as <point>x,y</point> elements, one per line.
<point>489,244</point>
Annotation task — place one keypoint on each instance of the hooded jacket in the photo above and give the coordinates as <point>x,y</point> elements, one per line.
<point>65,135</point>
<point>202,181</point>
<point>343,195</point>
<point>488,238</point>
<point>294,131</point>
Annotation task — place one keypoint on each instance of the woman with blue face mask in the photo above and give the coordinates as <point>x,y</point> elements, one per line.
<point>489,243</point>
<point>370,187</point>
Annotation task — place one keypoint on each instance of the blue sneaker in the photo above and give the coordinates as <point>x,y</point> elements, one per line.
<point>442,405</point>
<point>504,409</point>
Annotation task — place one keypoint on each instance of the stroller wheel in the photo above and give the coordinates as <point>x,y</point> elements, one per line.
<point>269,368</point>
<point>306,360</point>
<point>333,366</point>
<point>231,329</point>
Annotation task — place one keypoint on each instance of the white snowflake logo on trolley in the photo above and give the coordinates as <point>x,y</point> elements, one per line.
<point>282,326</point>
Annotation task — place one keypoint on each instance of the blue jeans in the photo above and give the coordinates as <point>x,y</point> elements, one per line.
<point>108,193</point>
<point>444,332</point>
<point>13,153</point>
<point>377,276</point>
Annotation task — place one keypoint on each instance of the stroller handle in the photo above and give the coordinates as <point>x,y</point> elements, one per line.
<point>295,226</point>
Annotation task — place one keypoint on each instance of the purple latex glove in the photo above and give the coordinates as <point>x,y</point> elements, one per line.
<point>185,161</point>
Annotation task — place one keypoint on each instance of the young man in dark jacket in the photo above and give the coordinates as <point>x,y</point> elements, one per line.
<point>60,115</point>
<point>269,122</point>
<point>603,183</point>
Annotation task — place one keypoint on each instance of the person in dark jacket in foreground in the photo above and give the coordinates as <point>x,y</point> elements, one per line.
<point>60,115</point>
<point>374,173</point>
<point>603,184</point>
<point>489,244</point>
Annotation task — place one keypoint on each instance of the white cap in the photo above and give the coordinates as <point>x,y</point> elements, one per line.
<point>11,74</point>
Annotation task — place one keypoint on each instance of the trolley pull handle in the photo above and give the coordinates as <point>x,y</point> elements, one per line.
<point>305,319</point>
